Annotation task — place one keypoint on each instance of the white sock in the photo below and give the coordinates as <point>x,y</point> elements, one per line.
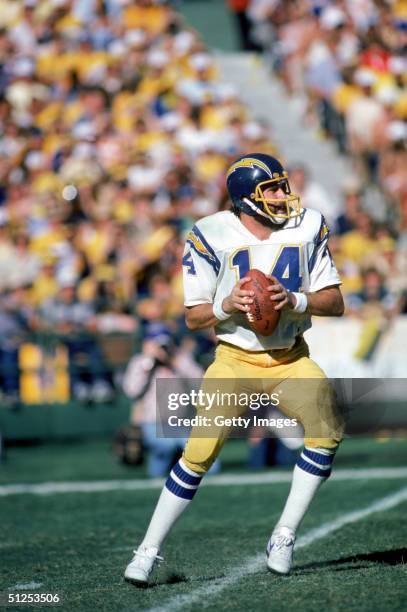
<point>177,494</point>
<point>311,470</point>
<point>303,488</point>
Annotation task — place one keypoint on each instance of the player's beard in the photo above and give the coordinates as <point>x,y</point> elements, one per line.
<point>268,222</point>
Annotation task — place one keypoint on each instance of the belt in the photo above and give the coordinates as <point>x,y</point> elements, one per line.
<point>298,339</point>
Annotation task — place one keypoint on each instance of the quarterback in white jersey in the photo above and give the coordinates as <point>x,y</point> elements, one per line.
<point>266,229</point>
<point>220,250</point>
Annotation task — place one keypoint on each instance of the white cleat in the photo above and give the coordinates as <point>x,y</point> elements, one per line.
<point>280,550</point>
<point>140,567</point>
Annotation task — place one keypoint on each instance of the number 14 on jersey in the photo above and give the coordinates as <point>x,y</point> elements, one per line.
<point>286,267</point>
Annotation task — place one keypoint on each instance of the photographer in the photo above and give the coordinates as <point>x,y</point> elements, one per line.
<point>159,358</point>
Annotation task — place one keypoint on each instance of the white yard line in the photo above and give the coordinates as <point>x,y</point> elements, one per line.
<point>100,486</point>
<point>256,563</point>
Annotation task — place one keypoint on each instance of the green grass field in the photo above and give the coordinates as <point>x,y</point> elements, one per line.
<point>79,543</point>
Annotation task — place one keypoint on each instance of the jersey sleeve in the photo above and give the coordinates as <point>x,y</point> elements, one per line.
<point>323,272</point>
<point>200,269</point>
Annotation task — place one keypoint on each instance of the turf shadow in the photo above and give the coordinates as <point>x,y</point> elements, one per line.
<point>169,579</point>
<point>397,556</point>
<point>174,578</point>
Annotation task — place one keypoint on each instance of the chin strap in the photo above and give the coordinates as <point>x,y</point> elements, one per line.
<point>257,211</point>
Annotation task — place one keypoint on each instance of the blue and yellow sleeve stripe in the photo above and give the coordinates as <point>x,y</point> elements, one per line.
<point>200,245</point>
<point>321,237</point>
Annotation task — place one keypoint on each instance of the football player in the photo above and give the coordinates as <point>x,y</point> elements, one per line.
<point>266,229</point>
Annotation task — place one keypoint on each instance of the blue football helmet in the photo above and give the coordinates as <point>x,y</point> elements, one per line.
<point>247,180</point>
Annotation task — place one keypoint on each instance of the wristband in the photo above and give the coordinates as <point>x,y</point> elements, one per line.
<point>219,312</point>
<point>301,302</point>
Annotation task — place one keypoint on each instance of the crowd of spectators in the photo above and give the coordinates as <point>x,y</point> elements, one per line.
<point>115,134</point>
<point>343,61</point>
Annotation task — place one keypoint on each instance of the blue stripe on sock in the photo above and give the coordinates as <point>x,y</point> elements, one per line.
<point>178,490</point>
<point>312,469</point>
<point>184,476</point>
<point>318,457</point>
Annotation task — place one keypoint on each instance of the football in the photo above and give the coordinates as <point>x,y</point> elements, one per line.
<point>262,316</point>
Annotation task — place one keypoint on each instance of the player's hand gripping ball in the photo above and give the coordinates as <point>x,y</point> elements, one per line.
<point>261,315</point>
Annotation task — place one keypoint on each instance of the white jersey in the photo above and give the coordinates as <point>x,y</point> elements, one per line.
<point>220,250</point>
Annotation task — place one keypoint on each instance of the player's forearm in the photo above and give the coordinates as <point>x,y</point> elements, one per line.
<point>200,317</point>
<point>326,303</point>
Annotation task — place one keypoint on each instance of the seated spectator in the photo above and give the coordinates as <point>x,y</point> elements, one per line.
<point>376,306</point>
<point>373,298</point>
<point>355,246</point>
<point>364,115</point>
<point>346,221</point>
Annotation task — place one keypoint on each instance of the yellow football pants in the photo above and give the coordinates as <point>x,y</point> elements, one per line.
<point>304,391</point>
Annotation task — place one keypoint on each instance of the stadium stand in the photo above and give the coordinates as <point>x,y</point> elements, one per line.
<point>343,62</point>
<point>115,135</point>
